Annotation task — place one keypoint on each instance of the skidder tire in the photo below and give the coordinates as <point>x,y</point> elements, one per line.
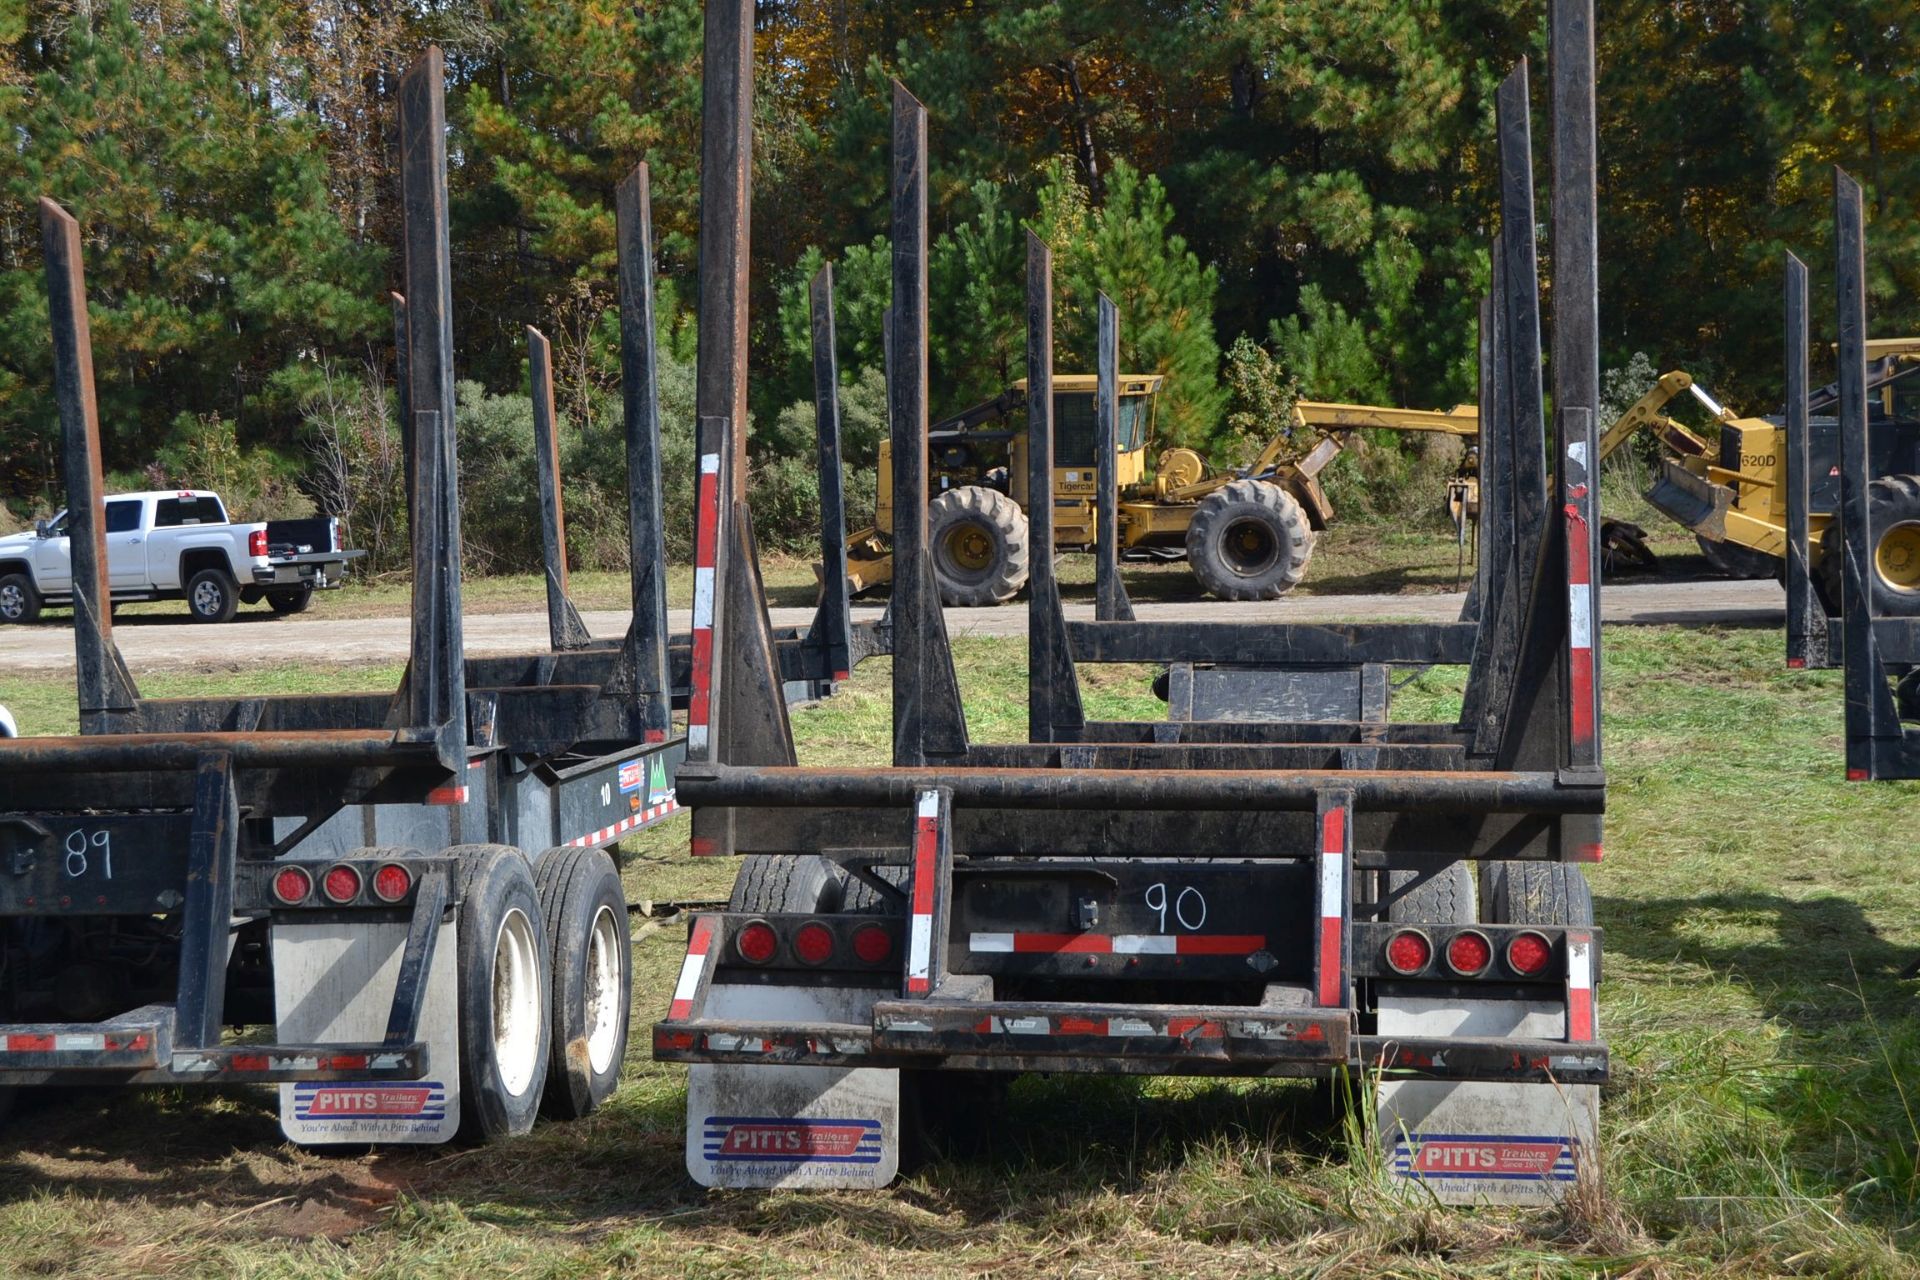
<point>19,600</point>
<point>212,596</point>
<point>980,546</point>
<point>1446,897</point>
<point>777,882</point>
<point>505,993</point>
<point>1249,541</point>
<point>1736,561</point>
<point>591,949</point>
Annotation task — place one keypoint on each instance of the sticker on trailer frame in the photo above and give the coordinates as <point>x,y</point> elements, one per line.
<point>659,790</point>
<point>630,776</point>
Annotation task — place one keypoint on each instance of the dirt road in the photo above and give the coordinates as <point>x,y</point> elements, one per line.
<point>258,638</point>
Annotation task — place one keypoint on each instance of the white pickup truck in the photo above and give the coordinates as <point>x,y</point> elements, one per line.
<point>178,545</point>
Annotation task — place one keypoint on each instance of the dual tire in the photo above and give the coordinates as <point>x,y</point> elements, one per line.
<point>545,980</point>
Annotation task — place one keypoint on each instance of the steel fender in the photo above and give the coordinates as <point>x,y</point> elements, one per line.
<point>768,1126</point>
<point>1478,1142</point>
<point>333,982</point>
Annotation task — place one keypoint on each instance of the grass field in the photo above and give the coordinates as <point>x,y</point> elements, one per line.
<point>1760,918</point>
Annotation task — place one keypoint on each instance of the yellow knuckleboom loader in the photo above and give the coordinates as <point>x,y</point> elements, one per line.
<point>1247,533</point>
<point>1733,496</point>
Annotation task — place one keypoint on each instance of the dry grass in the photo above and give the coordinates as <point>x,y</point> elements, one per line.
<point>1758,918</point>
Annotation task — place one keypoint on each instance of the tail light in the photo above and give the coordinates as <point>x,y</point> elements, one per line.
<point>341,883</point>
<point>872,944</point>
<point>391,882</point>
<point>1529,953</point>
<point>1409,952</point>
<point>292,885</point>
<point>1469,953</point>
<point>757,942</point>
<point>333,527</point>
<point>813,943</point>
<point>257,543</point>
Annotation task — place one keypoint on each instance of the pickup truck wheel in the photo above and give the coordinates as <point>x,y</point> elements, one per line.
<point>19,601</point>
<point>592,948</point>
<point>294,601</point>
<point>504,993</point>
<point>212,596</point>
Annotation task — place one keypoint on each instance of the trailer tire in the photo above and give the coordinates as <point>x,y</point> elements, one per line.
<point>591,945</point>
<point>778,882</point>
<point>1445,897</point>
<point>212,596</point>
<point>1549,893</point>
<point>980,546</point>
<point>1249,541</point>
<point>504,993</point>
<point>287,602</point>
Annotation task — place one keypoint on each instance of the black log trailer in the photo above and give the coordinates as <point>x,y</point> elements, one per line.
<point>1277,880</point>
<point>405,896</point>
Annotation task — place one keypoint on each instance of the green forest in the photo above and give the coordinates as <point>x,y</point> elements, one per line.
<point>1281,195</point>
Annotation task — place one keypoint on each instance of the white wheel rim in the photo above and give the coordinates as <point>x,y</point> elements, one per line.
<point>603,995</point>
<point>516,1002</point>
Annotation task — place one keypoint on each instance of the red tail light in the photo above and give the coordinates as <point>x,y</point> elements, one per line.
<point>341,883</point>
<point>757,942</point>
<point>813,943</point>
<point>1469,953</point>
<point>1408,952</point>
<point>1529,953</point>
<point>872,943</point>
<point>391,882</point>
<point>257,543</point>
<point>292,885</point>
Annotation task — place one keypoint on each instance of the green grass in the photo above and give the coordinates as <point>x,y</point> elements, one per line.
<point>1759,916</point>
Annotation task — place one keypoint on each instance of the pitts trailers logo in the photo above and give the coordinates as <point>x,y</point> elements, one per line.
<point>336,1101</point>
<point>794,1141</point>
<point>649,776</point>
<point>1476,1156</point>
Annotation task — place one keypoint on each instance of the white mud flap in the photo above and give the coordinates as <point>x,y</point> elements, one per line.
<point>1476,1142</point>
<point>755,1126</point>
<point>333,982</point>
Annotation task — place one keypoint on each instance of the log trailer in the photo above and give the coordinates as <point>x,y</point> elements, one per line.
<point>1277,880</point>
<point>405,898</point>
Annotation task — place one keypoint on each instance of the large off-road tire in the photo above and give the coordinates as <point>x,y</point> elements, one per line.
<point>212,596</point>
<point>19,599</point>
<point>505,993</point>
<point>777,882</point>
<point>1445,897</point>
<point>591,950</point>
<point>978,537</point>
<point>1249,541</point>
<point>1736,561</point>
<point>1893,574</point>
<point>290,600</point>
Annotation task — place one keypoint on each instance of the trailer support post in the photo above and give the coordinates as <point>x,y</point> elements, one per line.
<point>1110,602</point>
<point>565,630</point>
<point>1808,643</point>
<point>833,621</point>
<point>644,660</point>
<point>1053,691</point>
<point>212,849</point>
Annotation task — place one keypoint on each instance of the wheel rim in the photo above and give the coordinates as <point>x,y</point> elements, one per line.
<point>516,1002</point>
<point>969,550</point>
<point>604,1004</point>
<point>1249,548</point>
<point>1897,557</point>
<point>13,602</point>
<point>206,598</point>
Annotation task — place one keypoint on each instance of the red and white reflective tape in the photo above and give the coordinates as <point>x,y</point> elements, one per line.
<point>1177,1028</point>
<point>452,792</point>
<point>78,1042</point>
<point>706,539</point>
<point>625,825</point>
<point>1580,605</point>
<point>189,1062</point>
<point>689,983</point>
<point>1118,944</point>
<point>926,849</point>
<point>1331,975</point>
<point>1579,985</point>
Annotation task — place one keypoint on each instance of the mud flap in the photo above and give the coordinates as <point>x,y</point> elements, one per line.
<point>772,1126</point>
<point>1477,1142</point>
<point>333,982</point>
